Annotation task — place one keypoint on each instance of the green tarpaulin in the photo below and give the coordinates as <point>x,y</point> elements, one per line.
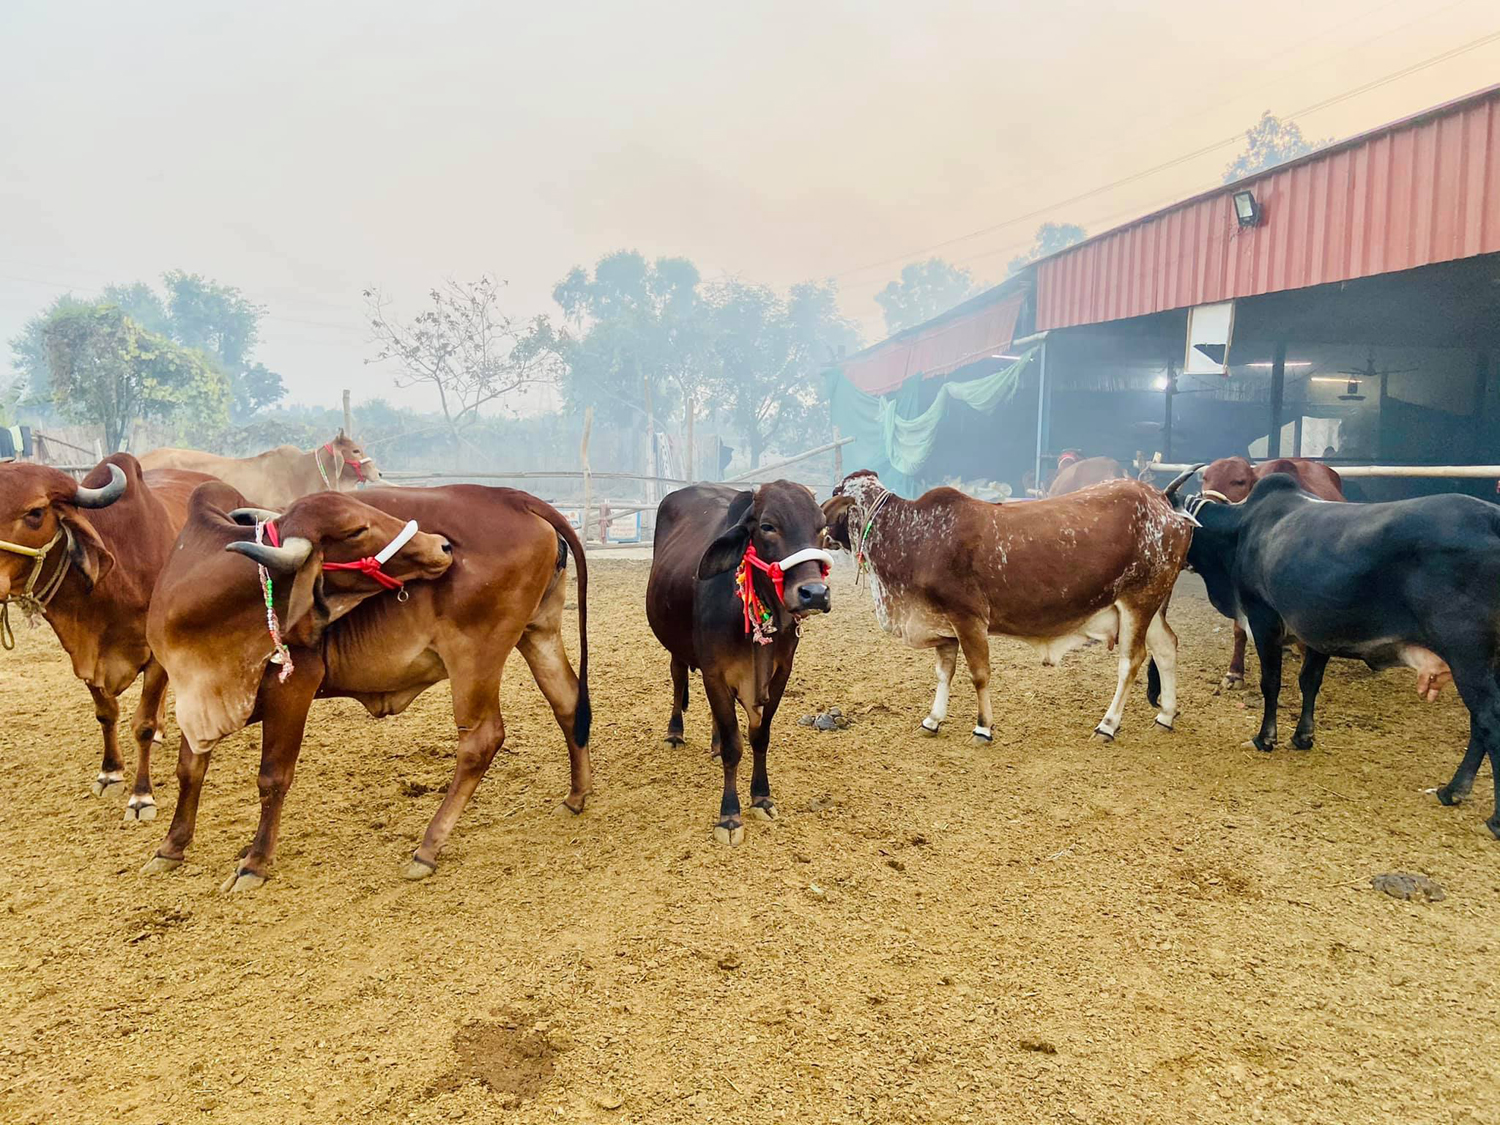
<point>891,437</point>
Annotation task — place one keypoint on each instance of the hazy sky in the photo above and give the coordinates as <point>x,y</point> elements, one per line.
<point>303,151</point>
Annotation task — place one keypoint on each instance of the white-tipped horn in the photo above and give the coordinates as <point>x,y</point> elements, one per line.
<point>285,559</point>
<point>1181,479</point>
<point>102,497</point>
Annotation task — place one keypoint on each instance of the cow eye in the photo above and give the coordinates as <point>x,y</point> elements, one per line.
<point>34,516</point>
<point>768,529</point>
<point>357,532</point>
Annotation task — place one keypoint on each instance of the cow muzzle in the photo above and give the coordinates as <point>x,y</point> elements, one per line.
<point>813,597</point>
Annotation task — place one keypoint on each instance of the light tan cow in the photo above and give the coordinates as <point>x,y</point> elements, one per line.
<point>275,478</point>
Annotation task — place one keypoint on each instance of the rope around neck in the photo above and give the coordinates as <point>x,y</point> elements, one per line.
<point>861,550</point>
<point>30,600</point>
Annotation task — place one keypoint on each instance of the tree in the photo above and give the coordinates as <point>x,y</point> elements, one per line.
<point>220,320</point>
<point>105,368</point>
<point>770,352</point>
<point>1269,142</point>
<point>924,290</point>
<point>640,337</point>
<point>215,320</point>
<point>465,348</point>
<point>1050,238</point>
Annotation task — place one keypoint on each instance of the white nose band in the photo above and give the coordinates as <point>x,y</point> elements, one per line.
<point>807,554</point>
<point>403,537</point>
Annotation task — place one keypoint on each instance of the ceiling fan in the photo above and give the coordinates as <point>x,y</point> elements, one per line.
<point>1352,391</point>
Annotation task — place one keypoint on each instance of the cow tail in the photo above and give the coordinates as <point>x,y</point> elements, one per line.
<point>1153,684</point>
<point>583,717</point>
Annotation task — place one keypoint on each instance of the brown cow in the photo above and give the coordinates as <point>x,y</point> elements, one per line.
<point>275,478</point>
<point>1082,474</point>
<point>85,557</point>
<point>711,541</point>
<point>1230,479</point>
<point>505,590</point>
<point>947,571</point>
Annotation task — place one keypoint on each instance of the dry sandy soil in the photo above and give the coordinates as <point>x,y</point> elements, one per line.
<point>1170,928</point>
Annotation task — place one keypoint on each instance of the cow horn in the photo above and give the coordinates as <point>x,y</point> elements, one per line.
<point>254,515</point>
<point>285,559</point>
<point>1180,480</point>
<point>102,497</point>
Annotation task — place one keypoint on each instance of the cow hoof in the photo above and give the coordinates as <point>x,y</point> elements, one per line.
<point>1165,723</point>
<point>1302,742</point>
<point>675,740</point>
<point>564,807</point>
<point>1102,735</point>
<point>160,865</point>
<point>931,726</point>
<point>982,736</point>
<point>1232,682</point>
<point>242,880</point>
<point>1450,796</point>
<point>1264,747</point>
<point>1493,824</point>
<point>764,809</point>
<point>106,782</point>
<point>140,810</point>
<point>729,833</point>
<point>416,869</point>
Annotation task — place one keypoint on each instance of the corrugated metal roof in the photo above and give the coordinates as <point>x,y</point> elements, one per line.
<point>1422,190</point>
<point>979,327</point>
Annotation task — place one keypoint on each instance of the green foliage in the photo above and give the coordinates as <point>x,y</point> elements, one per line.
<point>1050,238</point>
<point>924,290</point>
<point>769,355</point>
<point>1269,142</point>
<point>215,321</point>
<point>635,325</point>
<point>105,368</point>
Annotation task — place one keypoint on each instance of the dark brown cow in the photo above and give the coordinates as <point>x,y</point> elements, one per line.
<point>278,476</point>
<point>1230,479</point>
<point>1082,474</point>
<point>505,590</point>
<point>86,557</point>
<point>696,606</point>
<point>947,571</point>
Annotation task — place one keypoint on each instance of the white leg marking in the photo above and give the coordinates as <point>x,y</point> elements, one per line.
<point>947,661</point>
<point>1162,644</point>
<point>1111,721</point>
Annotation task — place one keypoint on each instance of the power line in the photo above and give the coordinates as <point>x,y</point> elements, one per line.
<point>1037,213</point>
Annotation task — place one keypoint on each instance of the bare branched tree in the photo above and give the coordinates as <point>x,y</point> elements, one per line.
<point>468,350</point>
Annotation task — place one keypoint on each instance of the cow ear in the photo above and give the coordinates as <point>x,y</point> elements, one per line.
<point>725,552</point>
<point>305,616</point>
<point>89,556</point>
<point>836,516</point>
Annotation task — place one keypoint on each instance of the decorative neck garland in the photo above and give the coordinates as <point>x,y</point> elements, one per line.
<point>760,622</point>
<point>861,546</point>
<point>280,653</point>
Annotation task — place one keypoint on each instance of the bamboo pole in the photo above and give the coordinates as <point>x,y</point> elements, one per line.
<point>789,461</point>
<point>583,455</point>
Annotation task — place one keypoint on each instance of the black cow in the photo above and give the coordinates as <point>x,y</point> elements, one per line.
<point>1413,582</point>
<point>711,541</point>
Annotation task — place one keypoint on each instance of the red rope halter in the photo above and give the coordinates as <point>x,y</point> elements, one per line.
<point>369,565</point>
<point>758,618</point>
<point>357,466</point>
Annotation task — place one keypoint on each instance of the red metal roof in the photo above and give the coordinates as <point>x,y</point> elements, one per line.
<point>1421,190</point>
<point>973,330</point>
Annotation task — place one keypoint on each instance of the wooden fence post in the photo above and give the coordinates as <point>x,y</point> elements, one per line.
<point>348,417</point>
<point>583,453</point>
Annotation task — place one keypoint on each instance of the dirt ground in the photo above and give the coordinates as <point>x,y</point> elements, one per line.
<point>1170,928</point>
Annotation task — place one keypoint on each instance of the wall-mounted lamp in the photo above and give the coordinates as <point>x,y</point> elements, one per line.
<point>1247,208</point>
